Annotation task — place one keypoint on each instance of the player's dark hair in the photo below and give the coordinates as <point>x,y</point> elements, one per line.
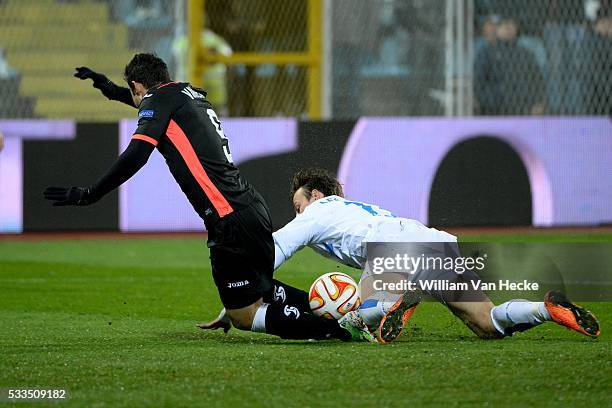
<point>148,69</point>
<point>315,179</point>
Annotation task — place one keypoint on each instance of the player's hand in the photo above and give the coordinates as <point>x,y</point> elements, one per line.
<point>221,322</point>
<point>69,195</point>
<point>86,73</point>
<point>105,85</point>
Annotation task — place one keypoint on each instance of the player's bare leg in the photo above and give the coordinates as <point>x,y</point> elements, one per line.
<point>488,321</point>
<point>477,316</point>
<point>243,318</point>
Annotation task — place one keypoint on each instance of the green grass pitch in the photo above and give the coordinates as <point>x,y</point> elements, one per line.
<point>113,322</point>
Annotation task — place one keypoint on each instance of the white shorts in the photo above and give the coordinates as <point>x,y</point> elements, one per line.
<point>406,230</point>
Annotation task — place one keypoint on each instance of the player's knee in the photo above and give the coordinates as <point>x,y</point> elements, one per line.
<point>477,316</point>
<point>486,333</point>
<point>484,328</point>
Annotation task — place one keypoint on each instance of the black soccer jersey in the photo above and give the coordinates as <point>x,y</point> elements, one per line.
<point>182,124</point>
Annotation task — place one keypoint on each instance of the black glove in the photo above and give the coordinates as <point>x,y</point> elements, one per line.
<point>100,81</point>
<point>69,195</point>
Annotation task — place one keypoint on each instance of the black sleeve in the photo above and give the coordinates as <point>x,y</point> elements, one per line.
<point>115,92</point>
<point>128,164</point>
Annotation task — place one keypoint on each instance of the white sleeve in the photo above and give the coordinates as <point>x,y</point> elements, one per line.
<point>292,237</point>
<point>279,256</point>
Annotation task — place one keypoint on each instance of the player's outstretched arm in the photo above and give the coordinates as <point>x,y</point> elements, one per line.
<point>108,88</point>
<point>128,164</point>
<point>298,233</point>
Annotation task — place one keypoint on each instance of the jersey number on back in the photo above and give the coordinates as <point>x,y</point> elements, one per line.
<point>371,209</point>
<point>224,142</point>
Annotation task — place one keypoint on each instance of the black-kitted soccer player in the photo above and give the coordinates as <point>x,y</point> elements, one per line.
<point>179,120</point>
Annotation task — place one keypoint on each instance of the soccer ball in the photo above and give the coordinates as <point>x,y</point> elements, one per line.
<point>333,295</point>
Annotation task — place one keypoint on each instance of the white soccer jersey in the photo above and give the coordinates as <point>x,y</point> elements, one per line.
<point>336,228</point>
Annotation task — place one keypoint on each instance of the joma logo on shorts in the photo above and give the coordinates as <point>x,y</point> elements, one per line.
<point>237,284</point>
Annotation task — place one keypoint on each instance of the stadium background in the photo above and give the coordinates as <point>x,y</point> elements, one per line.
<point>325,66</point>
<point>440,110</point>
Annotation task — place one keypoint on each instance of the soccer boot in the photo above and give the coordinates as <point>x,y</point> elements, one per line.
<point>353,323</point>
<point>570,315</point>
<point>393,322</point>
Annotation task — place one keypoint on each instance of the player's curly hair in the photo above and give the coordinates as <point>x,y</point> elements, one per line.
<point>315,179</point>
<point>148,69</point>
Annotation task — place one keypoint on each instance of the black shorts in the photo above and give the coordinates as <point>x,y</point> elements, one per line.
<point>242,254</point>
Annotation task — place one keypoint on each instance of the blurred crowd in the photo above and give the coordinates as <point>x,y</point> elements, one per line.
<point>543,57</point>
<point>388,57</point>
<point>530,57</point>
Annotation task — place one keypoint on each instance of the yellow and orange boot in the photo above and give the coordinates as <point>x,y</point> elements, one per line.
<point>570,315</point>
<point>393,322</point>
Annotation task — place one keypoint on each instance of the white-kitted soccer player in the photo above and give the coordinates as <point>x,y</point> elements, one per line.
<point>338,228</point>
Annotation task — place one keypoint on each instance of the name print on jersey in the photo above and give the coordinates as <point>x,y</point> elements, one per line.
<point>190,92</point>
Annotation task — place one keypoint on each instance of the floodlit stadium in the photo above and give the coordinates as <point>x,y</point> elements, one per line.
<point>307,203</point>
